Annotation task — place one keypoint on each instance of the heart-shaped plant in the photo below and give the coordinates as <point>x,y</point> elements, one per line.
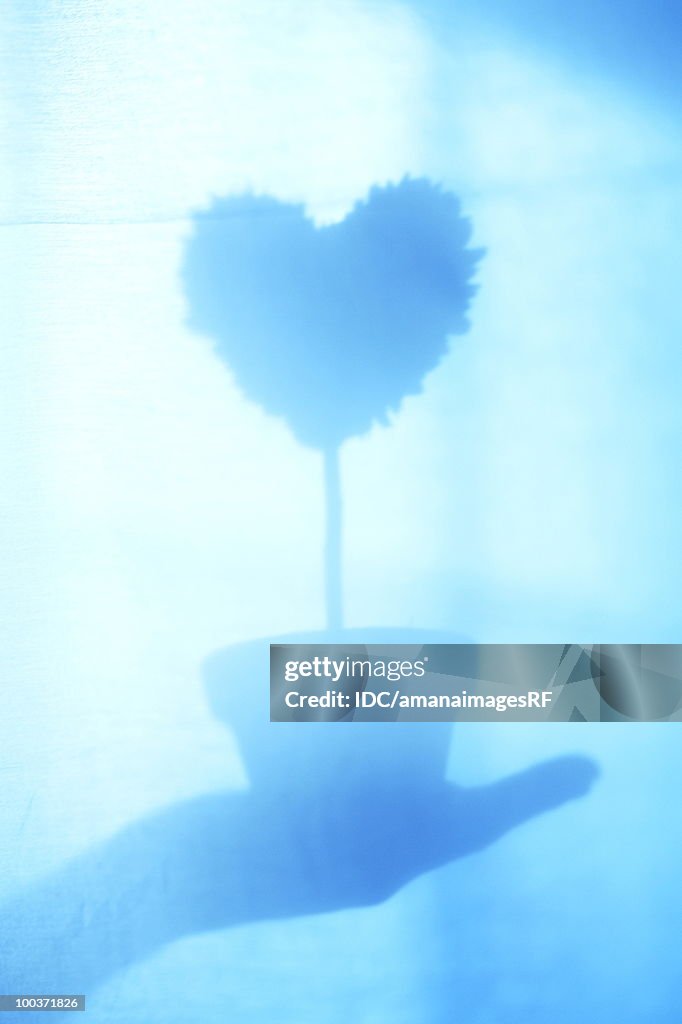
<point>331,327</point>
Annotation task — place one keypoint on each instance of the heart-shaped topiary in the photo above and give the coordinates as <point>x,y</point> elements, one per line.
<point>331,327</point>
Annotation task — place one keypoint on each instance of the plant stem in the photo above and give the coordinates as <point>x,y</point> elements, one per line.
<point>332,550</point>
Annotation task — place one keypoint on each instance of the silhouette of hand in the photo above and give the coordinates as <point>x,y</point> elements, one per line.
<point>357,810</point>
<point>340,843</point>
<point>337,816</point>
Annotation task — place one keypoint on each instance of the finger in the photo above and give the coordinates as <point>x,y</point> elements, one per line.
<point>488,812</point>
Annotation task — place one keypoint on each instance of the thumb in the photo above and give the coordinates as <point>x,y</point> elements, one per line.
<point>487,812</point>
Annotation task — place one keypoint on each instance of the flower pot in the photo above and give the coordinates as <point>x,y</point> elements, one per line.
<point>282,753</point>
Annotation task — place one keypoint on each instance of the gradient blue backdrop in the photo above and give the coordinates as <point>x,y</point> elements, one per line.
<point>530,493</point>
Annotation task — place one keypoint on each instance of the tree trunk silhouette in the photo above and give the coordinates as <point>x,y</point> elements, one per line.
<point>332,549</point>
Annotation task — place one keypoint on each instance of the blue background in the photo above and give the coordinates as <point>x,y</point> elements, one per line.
<point>530,493</point>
